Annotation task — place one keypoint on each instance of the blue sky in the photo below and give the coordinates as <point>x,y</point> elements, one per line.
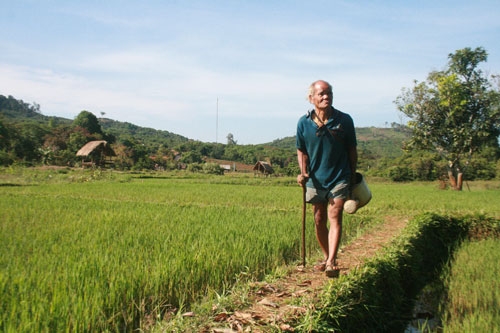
<point>164,64</point>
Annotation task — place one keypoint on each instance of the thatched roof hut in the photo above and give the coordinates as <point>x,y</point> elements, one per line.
<point>99,146</point>
<point>96,151</point>
<point>263,167</point>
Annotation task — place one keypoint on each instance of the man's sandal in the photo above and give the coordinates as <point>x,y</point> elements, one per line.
<point>332,271</point>
<point>321,266</point>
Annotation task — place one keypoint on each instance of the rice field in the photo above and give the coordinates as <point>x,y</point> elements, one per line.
<point>473,289</point>
<point>102,252</point>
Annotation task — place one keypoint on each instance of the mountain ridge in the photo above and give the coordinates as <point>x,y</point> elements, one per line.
<point>373,142</point>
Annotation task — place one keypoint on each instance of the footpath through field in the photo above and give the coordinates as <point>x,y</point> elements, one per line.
<point>275,304</point>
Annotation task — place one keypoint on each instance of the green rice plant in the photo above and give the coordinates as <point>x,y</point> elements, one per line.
<point>472,301</point>
<point>411,199</point>
<point>106,255</point>
<point>379,296</point>
<point>81,251</point>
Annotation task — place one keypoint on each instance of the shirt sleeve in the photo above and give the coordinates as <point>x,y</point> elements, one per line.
<point>351,132</point>
<point>300,143</point>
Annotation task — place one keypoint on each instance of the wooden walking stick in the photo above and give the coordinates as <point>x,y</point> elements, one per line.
<point>304,225</point>
<point>303,170</point>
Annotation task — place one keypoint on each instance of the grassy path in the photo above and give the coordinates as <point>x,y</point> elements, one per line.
<point>274,305</point>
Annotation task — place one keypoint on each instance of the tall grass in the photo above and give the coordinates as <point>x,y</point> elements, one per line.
<point>380,295</point>
<point>104,255</point>
<point>99,251</point>
<point>473,289</point>
<point>411,199</point>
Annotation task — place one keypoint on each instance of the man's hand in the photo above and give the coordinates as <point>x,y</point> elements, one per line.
<point>302,179</point>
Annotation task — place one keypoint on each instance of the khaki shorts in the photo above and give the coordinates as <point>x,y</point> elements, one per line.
<point>339,191</point>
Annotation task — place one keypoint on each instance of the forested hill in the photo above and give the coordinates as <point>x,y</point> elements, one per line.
<point>17,111</point>
<point>25,131</point>
<point>144,134</point>
<point>373,141</point>
<point>14,110</point>
<point>381,142</point>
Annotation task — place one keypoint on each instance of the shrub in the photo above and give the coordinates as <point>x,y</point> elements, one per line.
<point>212,168</point>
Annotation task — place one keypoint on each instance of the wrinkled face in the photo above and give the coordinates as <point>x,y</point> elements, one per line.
<point>321,96</point>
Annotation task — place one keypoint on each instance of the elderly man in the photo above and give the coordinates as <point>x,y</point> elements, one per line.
<point>327,156</point>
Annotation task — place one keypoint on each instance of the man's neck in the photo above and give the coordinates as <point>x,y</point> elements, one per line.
<point>324,114</point>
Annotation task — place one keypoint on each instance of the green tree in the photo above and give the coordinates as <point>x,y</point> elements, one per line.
<point>233,153</point>
<point>88,121</point>
<point>77,139</point>
<point>26,140</point>
<point>191,157</point>
<point>6,157</point>
<point>456,112</point>
<point>4,135</point>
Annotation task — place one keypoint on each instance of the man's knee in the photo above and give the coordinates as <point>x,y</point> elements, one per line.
<point>336,204</point>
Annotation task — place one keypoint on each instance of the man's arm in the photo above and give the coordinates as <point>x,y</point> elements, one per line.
<point>303,160</point>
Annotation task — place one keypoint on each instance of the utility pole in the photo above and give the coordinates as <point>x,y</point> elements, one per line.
<point>217,121</point>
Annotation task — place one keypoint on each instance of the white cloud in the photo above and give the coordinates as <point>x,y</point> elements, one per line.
<point>164,64</point>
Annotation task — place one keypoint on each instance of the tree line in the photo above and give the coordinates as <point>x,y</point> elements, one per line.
<point>29,138</point>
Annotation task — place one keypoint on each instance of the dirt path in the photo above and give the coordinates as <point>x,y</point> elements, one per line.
<point>276,304</point>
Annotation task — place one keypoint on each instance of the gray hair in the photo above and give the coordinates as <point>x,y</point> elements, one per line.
<point>310,91</point>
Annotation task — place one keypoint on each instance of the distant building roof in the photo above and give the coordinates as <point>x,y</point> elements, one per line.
<point>263,167</point>
<point>98,145</point>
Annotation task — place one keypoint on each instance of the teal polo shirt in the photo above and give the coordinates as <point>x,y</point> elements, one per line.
<point>327,150</point>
